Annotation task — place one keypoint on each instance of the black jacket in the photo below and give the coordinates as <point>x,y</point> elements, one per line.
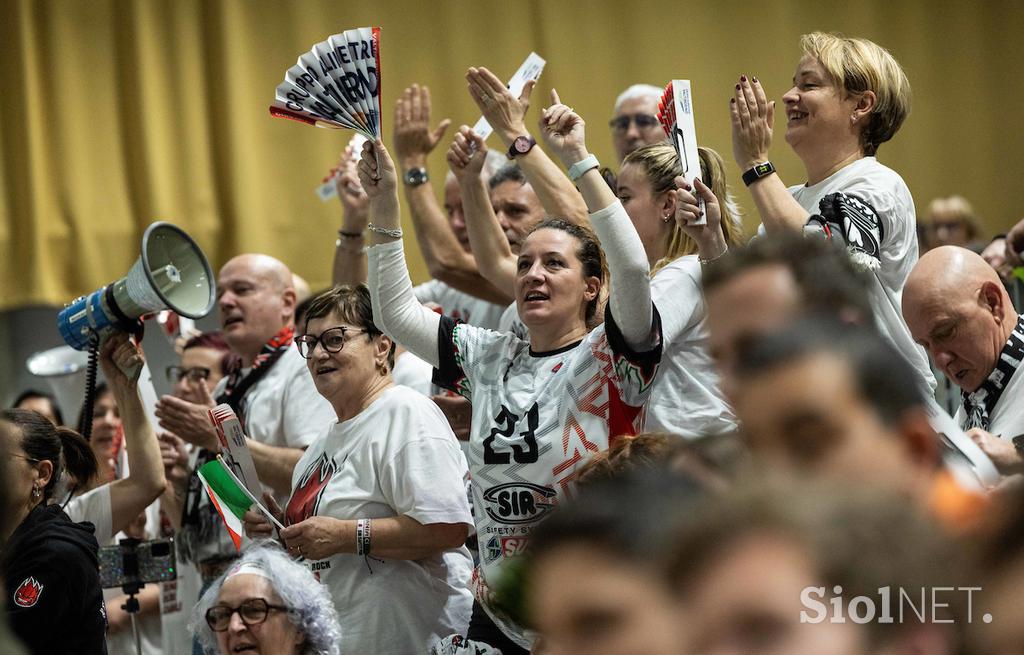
<point>54,602</point>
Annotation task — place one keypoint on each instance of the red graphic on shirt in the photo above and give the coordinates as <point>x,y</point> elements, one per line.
<point>28,593</point>
<point>305,500</point>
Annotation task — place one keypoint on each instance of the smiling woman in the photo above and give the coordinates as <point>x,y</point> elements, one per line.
<point>266,603</point>
<point>849,96</point>
<point>378,505</point>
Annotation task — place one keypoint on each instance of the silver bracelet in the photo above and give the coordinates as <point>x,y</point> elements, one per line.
<point>394,233</point>
<point>705,262</point>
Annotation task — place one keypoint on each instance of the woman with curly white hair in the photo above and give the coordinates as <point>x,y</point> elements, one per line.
<point>266,603</point>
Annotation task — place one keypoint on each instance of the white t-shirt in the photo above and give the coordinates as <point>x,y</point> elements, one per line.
<point>537,417</point>
<point>686,399</point>
<point>455,303</point>
<point>284,408</point>
<point>94,506</point>
<point>397,457</point>
<point>887,198</point>
<point>411,371</point>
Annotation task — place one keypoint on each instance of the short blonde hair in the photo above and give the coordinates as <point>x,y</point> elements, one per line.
<point>660,164</point>
<point>859,65</point>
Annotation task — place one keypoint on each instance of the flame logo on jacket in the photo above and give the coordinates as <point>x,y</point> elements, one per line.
<point>27,594</point>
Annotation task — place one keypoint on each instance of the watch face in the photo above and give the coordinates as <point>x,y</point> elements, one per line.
<point>521,144</point>
<point>416,176</point>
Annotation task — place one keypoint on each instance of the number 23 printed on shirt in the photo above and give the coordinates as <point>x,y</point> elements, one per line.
<point>506,423</point>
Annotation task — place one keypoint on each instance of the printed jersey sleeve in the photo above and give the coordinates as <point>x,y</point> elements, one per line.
<point>466,353</point>
<point>634,371</point>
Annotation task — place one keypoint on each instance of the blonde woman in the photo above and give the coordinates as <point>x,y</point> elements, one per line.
<point>686,398</point>
<point>849,96</point>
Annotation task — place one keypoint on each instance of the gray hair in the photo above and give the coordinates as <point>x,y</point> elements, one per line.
<point>492,164</point>
<point>309,603</point>
<point>638,91</point>
<point>510,172</point>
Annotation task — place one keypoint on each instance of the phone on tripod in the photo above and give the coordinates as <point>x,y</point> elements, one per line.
<point>134,563</point>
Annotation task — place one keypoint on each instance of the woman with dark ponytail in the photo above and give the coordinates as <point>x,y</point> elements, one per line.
<point>49,564</point>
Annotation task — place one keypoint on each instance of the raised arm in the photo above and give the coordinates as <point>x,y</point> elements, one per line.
<point>630,276</point>
<point>466,159</point>
<point>446,260</point>
<point>752,119</point>
<point>506,114</point>
<point>349,257</point>
<point>122,362</point>
<point>395,309</point>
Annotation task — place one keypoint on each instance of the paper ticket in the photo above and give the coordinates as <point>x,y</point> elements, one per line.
<point>530,70</point>
<point>327,190</point>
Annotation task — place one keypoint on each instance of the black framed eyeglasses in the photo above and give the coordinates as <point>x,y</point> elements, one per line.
<point>620,124</point>
<point>194,374</point>
<point>252,612</point>
<point>332,340</point>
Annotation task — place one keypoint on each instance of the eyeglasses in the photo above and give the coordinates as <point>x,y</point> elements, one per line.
<point>24,457</point>
<point>252,612</point>
<point>332,340</point>
<point>194,374</point>
<point>620,124</point>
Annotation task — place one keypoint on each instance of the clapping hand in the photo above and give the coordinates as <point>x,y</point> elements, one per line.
<point>414,139</point>
<point>752,119</point>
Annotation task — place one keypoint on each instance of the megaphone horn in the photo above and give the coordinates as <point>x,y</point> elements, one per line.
<point>171,273</point>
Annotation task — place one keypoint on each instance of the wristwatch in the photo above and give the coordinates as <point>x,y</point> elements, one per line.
<point>757,172</point>
<point>521,146</point>
<point>415,177</point>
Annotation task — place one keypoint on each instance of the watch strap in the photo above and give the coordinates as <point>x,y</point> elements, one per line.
<point>758,171</point>
<point>577,170</point>
<point>415,176</point>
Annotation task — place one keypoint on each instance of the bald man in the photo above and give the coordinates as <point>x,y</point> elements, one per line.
<point>273,394</point>
<point>957,308</point>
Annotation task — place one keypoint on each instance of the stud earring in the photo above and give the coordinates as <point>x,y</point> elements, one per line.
<point>665,218</point>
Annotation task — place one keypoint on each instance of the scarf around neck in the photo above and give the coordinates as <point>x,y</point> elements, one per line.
<point>978,404</point>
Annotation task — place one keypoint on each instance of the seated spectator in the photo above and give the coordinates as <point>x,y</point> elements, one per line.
<point>266,603</point>
<point>651,451</point>
<point>771,283</point>
<point>590,581</point>
<point>779,570</point>
<point>42,402</point>
<point>835,400</point>
<point>957,308</point>
<point>952,222</point>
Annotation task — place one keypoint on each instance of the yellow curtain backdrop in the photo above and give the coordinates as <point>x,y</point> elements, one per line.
<point>116,113</point>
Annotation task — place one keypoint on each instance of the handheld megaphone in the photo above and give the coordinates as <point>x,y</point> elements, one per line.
<point>170,273</point>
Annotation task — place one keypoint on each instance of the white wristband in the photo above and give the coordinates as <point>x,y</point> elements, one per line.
<point>577,170</point>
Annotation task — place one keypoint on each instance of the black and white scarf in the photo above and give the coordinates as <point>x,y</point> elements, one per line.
<point>856,222</point>
<point>978,404</point>
<point>200,520</point>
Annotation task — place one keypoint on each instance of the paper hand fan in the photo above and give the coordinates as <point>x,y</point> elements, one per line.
<point>675,111</point>
<point>336,84</point>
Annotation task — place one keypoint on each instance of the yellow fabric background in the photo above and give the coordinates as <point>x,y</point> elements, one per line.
<point>115,113</point>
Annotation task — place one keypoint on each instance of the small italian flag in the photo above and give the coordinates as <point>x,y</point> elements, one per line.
<point>227,496</point>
